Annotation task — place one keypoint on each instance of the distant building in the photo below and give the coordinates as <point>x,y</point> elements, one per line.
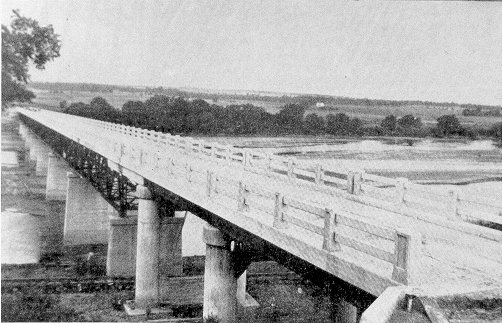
<point>319,105</point>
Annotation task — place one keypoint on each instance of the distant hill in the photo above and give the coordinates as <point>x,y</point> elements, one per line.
<point>304,99</point>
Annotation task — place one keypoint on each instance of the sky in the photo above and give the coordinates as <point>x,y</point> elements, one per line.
<point>426,50</point>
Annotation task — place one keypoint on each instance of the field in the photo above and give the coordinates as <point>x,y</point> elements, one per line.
<point>370,115</point>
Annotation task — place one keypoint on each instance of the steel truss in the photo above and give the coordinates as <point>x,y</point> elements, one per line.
<point>115,188</point>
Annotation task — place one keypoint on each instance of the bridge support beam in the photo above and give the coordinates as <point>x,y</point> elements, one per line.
<point>121,256</point>
<point>57,169</point>
<point>220,281</point>
<point>86,213</point>
<point>158,254</point>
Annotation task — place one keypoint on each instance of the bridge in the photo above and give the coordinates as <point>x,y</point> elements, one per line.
<point>390,238</point>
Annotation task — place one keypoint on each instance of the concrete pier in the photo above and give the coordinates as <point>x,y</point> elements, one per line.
<point>121,256</point>
<point>159,247</point>
<point>38,152</point>
<point>42,156</point>
<point>57,169</point>
<point>220,283</point>
<point>86,213</point>
<point>147,255</point>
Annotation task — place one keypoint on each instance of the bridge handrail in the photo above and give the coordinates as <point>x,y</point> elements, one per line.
<point>328,223</point>
<point>401,193</point>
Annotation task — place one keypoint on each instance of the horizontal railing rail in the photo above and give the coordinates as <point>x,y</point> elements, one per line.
<point>335,230</point>
<point>387,193</point>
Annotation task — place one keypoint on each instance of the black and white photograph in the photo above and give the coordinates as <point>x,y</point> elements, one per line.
<point>262,161</point>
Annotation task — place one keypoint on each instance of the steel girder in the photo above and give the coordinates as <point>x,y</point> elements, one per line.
<point>115,188</point>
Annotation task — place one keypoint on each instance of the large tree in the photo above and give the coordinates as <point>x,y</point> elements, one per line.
<point>24,42</point>
<point>448,125</point>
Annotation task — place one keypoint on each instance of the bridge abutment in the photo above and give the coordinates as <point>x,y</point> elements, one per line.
<point>220,281</point>
<point>86,213</point>
<point>57,169</point>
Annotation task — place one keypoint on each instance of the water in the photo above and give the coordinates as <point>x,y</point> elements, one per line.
<point>9,159</point>
<point>21,239</point>
<point>192,244</point>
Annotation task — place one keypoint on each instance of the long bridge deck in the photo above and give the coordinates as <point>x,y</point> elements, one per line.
<point>371,231</point>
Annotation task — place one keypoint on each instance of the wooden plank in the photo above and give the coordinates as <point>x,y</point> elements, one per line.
<point>481,201</point>
<point>303,172</point>
<point>256,205</point>
<point>260,191</point>
<point>366,248</point>
<point>379,179</point>
<point>351,221</point>
<point>303,224</point>
<point>317,210</point>
<point>480,215</point>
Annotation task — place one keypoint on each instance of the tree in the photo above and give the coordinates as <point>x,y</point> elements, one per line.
<point>355,125</point>
<point>290,118</point>
<point>338,124</point>
<point>448,125</point>
<point>24,42</point>
<point>313,124</point>
<point>389,123</point>
<point>409,122</point>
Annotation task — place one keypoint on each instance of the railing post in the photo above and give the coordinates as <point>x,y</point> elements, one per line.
<point>269,163</point>
<point>319,172</point>
<point>245,157</point>
<point>213,151</point>
<point>329,236</point>
<point>408,253</point>
<point>227,154</point>
<point>242,199</point>
<point>209,187</point>
<point>291,165</point>
<point>402,186</point>
<point>453,202</point>
<point>188,145</point>
<point>279,212</point>
<point>354,182</point>
<point>188,170</point>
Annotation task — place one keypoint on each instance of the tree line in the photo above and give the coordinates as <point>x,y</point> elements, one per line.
<point>177,115</point>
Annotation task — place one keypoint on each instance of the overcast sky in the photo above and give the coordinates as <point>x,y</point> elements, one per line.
<point>440,51</point>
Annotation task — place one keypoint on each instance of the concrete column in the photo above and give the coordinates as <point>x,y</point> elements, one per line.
<point>23,129</point>
<point>29,140</point>
<point>57,169</point>
<point>241,288</point>
<point>121,256</point>
<point>220,283</point>
<point>39,152</point>
<point>86,213</point>
<point>147,255</point>
<point>170,257</point>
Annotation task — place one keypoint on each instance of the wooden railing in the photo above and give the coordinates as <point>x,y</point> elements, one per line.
<point>388,193</point>
<point>338,230</point>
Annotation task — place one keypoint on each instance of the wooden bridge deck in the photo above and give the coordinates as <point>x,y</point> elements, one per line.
<point>364,239</point>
